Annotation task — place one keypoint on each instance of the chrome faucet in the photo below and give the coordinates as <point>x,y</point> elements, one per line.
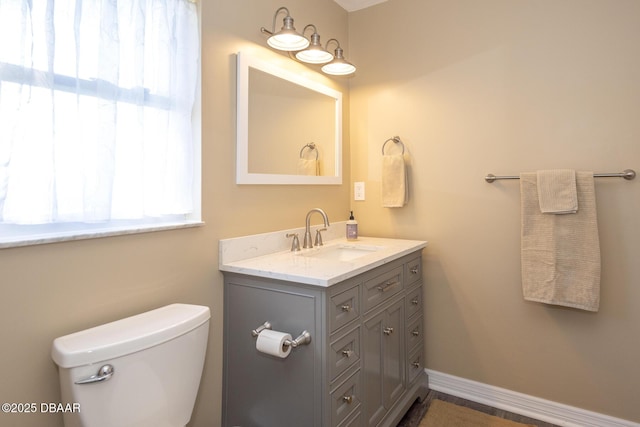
<point>307,234</point>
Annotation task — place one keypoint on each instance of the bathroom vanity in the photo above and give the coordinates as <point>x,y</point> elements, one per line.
<point>361,304</point>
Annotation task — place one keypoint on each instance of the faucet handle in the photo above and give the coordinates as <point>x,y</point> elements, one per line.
<point>318,241</point>
<point>295,244</point>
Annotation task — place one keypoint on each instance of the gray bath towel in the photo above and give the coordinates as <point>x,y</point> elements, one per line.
<point>560,253</point>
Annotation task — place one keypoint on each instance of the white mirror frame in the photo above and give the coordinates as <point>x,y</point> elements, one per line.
<point>243,176</point>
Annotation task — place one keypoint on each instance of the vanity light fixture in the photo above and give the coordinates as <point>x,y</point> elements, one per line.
<point>339,66</point>
<point>308,51</point>
<point>315,53</point>
<point>287,39</point>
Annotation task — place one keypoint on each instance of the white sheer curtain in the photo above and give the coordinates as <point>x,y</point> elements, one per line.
<point>96,99</point>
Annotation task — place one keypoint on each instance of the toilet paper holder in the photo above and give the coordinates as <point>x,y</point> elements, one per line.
<point>303,339</point>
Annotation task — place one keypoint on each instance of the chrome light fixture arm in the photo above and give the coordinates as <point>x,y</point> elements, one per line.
<point>275,16</point>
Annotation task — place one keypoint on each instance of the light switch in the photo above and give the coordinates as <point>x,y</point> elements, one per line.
<point>358,191</point>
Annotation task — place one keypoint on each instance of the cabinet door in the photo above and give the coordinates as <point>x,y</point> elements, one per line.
<point>261,389</point>
<point>384,361</point>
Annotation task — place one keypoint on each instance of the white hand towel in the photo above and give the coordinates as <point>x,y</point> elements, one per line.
<point>395,189</point>
<point>557,192</point>
<point>308,167</point>
<point>560,253</point>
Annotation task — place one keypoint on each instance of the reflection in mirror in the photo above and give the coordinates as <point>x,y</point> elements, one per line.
<point>289,128</point>
<point>275,147</point>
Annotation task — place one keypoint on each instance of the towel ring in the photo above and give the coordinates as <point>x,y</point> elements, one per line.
<point>311,146</point>
<point>395,139</point>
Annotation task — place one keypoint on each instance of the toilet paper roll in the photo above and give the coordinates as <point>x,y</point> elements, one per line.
<point>272,342</point>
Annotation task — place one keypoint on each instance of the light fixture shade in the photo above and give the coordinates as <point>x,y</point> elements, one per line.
<point>339,66</point>
<point>287,38</point>
<point>315,53</point>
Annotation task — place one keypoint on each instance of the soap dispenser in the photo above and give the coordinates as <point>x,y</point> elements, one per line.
<point>352,228</point>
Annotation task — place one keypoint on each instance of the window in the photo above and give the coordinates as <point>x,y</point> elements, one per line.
<point>96,116</point>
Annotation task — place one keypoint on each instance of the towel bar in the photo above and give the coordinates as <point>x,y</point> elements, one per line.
<point>627,174</point>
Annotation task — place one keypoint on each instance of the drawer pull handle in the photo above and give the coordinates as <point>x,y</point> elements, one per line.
<point>347,399</point>
<point>388,286</point>
<point>414,270</point>
<point>415,332</point>
<point>415,301</point>
<point>347,353</point>
<point>416,364</point>
<point>346,307</point>
<point>388,331</point>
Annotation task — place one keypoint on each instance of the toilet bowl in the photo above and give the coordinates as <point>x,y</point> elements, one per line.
<point>142,371</point>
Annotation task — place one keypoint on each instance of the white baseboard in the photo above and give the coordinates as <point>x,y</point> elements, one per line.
<point>522,404</point>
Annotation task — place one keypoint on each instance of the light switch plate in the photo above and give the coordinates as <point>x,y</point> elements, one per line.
<point>358,191</point>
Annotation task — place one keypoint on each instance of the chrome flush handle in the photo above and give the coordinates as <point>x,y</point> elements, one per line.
<point>104,373</point>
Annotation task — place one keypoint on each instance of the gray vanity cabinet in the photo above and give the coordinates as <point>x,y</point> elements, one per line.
<point>363,366</point>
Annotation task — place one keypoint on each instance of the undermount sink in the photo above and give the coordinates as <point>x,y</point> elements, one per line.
<point>340,252</point>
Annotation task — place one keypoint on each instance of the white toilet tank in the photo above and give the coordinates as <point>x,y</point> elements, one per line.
<point>156,361</point>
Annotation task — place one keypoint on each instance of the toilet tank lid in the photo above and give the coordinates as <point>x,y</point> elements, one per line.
<point>127,335</point>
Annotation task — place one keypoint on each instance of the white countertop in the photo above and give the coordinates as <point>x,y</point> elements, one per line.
<point>302,268</point>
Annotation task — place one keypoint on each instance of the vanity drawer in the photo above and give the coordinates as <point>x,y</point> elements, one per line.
<point>416,364</point>
<point>382,287</point>
<point>414,302</point>
<point>345,351</point>
<point>414,333</point>
<point>346,399</point>
<point>413,271</point>
<point>344,308</point>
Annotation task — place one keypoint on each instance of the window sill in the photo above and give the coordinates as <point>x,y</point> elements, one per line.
<point>92,234</point>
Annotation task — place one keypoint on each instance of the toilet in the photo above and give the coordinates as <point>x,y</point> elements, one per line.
<point>142,371</point>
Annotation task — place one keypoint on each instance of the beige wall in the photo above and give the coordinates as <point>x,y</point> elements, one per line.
<point>55,289</point>
<point>502,86</point>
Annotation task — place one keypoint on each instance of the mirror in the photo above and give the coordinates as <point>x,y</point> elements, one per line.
<point>289,128</point>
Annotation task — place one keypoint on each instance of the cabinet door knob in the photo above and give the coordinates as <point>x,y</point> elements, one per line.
<point>414,270</point>
<point>347,399</point>
<point>415,301</point>
<point>415,332</point>
<point>416,364</point>
<point>388,331</point>
<point>347,353</point>
<point>346,307</point>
